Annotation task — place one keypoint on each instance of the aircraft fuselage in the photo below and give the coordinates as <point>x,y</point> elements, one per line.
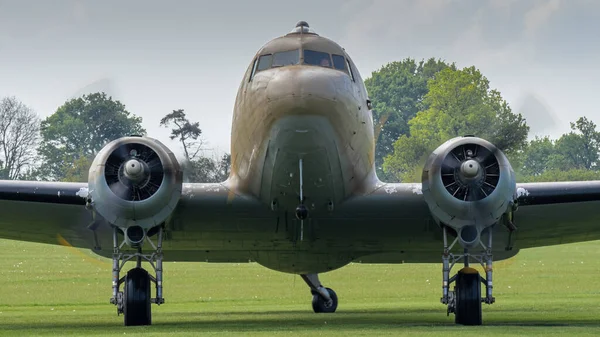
<point>305,112</point>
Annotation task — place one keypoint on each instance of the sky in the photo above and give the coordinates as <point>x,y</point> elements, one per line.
<point>157,56</point>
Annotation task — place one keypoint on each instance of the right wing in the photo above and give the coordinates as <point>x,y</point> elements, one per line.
<point>56,213</point>
<point>43,211</point>
<point>552,213</point>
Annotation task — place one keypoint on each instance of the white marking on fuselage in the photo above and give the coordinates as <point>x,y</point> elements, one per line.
<point>522,192</point>
<point>82,193</point>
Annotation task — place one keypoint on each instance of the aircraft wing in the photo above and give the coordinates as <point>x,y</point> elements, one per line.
<point>557,212</point>
<point>548,213</point>
<point>56,212</point>
<point>41,211</point>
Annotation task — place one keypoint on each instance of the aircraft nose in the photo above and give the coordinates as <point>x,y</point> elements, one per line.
<point>304,82</point>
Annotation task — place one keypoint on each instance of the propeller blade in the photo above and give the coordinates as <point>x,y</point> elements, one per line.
<point>120,190</point>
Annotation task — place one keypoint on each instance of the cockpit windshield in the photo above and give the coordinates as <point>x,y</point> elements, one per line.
<point>317,58</point>
<point>322,59</point>
<point>286,58</point>
<point>292,57</point>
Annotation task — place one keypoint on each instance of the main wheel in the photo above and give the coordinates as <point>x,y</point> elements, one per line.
<point>468,297</point>
<point>136,294</point>
<point>319,304</point>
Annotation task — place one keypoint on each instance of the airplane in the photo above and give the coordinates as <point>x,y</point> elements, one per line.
<point>303,196</point>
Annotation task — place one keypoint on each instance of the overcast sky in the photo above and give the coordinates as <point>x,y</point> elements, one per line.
<point>156,56</point>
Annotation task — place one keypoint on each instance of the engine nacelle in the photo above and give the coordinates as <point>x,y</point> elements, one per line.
<point>135,181</point>
<point>468,185</point>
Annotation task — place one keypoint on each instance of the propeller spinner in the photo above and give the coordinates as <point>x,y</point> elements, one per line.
<point>133,172</point>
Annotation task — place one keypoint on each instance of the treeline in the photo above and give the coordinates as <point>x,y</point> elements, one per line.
<point>419,105</point>
<point>63,146</point>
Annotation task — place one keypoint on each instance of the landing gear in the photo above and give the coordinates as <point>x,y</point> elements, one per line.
<point>324,299</point>
<point>136,308</point>
<point>468,297</point>
<point>135,299</point>
<point>465,300</point>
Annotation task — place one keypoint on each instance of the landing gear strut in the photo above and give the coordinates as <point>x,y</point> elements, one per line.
<point>135,299</point>
<point>324,299</point>
<point>465,300</point>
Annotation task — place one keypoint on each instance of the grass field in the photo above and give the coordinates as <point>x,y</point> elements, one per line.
<point>55,290</point>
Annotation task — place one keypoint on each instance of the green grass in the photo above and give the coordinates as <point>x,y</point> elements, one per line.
<point>55,290</point>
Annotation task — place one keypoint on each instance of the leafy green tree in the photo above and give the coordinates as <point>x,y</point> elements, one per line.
<point>459,102</point>
<point>560,175</point>
<point>580,148</point>
<point>397,91</point>
<point>79,129</point>
<point>79,170</point>
<point>538,157</point>
<point>574,156</point>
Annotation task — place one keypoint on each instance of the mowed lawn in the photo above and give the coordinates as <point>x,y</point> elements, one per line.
<point>55,290</point>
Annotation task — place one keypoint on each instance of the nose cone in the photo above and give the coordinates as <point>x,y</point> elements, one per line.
<point>133,170</point>
<point>469,168</point>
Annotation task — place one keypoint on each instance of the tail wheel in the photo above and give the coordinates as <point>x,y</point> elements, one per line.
<point>319,304</point>
<point>468,297</point>
<point>137,309</point>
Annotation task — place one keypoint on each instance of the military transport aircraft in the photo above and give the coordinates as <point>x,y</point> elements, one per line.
<point>303,196</point>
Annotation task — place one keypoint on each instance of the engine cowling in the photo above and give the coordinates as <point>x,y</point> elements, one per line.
<point>135,182</point>
<point>468,185</point>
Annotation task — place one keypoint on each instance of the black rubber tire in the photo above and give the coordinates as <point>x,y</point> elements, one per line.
<point>468,297</point>
<point>320,306</point>
<point>136,293</point>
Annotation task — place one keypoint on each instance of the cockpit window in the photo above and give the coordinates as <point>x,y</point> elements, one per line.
<point>350,70</point>
<point>286,58</point>
<point>264,62</point>
<point>338,62</point>
<point>317,58</point>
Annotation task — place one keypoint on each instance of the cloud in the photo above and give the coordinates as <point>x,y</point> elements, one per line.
<point>485,33</point>
<point>539,15</point>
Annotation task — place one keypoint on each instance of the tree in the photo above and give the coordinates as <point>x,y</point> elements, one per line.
<point>574,156</point>
<point>578,149</point>
<point>537,158</point>
<point>186,132</point>
<point>223,168</point>
<point>79,170</point>
<point>197,168</point>
<point>201,169</point>
<point>397,91</point>
<point>459,102</point>
<point>79,129</point>
<point>19,135</point>
<point>560,175</point>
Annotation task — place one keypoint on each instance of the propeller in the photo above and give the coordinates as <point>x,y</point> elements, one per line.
<point>470,172</point>
<point>133,172</point>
